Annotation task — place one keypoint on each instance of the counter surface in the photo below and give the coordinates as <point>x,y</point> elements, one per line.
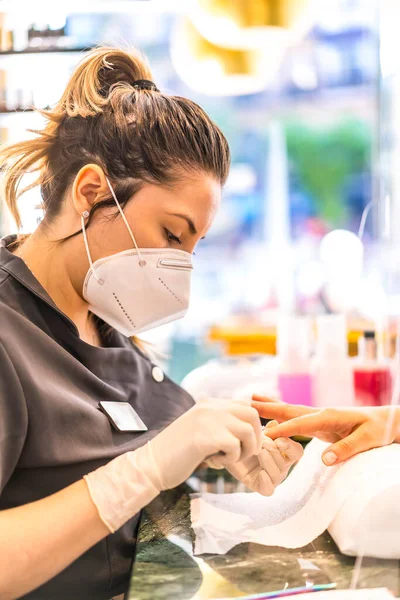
<point>165,566</point>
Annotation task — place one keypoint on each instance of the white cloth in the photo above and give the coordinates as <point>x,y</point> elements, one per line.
<point>348,499</point>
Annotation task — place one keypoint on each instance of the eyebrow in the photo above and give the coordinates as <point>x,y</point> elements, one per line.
<point>188,220</point>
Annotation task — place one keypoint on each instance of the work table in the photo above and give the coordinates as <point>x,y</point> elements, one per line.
<point>166,569</point>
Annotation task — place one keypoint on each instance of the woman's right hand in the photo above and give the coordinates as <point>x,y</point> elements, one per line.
<point>226,430</point>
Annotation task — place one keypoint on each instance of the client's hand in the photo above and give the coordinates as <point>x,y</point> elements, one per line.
<point>352,430</point>
<point>264,472</point>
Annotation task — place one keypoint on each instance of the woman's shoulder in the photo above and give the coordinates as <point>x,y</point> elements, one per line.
<point>4,277</point>
<point>10,288</point>
<point>13,299</point>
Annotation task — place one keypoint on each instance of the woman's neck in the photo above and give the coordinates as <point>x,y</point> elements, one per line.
<point>51,264</point>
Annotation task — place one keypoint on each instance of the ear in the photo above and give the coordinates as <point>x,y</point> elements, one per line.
<point>90,186</point>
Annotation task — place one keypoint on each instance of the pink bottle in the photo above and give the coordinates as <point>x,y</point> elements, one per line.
<point>293,343</point>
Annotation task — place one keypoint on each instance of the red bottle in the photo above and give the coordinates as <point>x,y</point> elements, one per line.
<point>372,378</point>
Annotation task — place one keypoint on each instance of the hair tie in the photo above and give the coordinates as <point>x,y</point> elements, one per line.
<point>145,84</point>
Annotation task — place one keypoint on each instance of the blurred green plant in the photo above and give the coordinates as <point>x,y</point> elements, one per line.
<point>324,159</point>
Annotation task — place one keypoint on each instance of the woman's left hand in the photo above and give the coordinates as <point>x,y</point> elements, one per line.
<point>264,472</point>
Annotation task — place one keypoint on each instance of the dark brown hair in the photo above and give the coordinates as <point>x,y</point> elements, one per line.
<point>136,135</point>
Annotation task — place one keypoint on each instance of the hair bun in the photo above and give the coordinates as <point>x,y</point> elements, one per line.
<point>89,87</point>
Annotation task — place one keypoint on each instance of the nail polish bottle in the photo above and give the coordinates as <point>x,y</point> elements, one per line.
<point>372,377</point>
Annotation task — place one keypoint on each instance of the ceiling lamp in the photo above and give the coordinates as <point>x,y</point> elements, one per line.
<point>247,24</point>
<point>217,71</point>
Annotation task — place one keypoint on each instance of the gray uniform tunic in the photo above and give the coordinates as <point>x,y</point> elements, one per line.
<point>51,429</point>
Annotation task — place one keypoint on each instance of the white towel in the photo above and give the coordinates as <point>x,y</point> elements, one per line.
<point>358,501</point>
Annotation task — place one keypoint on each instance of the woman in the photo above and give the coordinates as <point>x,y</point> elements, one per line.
<point>352,430</point>
<point>91,430</point>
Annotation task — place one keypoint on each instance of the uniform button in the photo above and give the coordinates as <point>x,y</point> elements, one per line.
<point>157,374</point>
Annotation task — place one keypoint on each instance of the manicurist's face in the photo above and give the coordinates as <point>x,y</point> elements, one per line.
<point>161,217</point>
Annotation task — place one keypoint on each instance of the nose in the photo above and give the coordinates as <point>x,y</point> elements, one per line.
<point>190,247</point>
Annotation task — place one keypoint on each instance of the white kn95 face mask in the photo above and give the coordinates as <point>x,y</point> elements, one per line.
<point>137,289</point>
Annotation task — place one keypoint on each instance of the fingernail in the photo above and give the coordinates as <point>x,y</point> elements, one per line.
<point>329,458</point>
<point>271,424</point>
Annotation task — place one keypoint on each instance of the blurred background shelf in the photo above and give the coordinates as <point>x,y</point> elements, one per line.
<point>244,338</point>
<point>31,51</point>
<point>16,111</point>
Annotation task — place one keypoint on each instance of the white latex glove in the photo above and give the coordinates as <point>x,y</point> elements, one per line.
<point>228,431</point>
<point>264,472</point>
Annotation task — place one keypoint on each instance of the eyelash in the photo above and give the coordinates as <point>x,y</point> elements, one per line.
<point>171,237</point>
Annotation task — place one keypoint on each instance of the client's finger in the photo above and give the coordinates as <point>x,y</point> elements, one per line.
<point>358,441</point>
<point>265,399</point>
<point>280,411</point>
<point>304,425</point>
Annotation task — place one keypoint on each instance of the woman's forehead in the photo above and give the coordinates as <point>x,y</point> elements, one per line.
<point>197,198</point>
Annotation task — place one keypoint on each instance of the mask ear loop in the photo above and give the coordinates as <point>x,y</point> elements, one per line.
<point>142,262</point>
<point>83,216</point>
